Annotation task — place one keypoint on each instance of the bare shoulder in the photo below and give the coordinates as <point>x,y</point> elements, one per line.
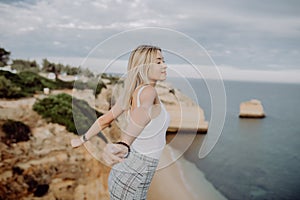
<point>148,95</point>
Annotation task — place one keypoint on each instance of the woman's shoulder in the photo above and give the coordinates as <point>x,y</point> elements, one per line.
<point>146,93</point>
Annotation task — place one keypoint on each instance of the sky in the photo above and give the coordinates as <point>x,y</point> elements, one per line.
<point>246,40</point>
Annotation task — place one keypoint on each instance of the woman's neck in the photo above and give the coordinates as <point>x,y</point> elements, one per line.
<point>153,83</point>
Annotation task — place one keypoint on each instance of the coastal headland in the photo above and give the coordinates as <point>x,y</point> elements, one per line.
<point>47,166</point>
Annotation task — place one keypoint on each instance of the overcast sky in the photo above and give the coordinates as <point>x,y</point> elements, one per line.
<point>242,37</point>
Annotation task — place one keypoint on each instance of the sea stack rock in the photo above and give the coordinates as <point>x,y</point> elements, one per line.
<point>251,109</point>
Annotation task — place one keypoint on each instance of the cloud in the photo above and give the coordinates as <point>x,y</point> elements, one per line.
<point>245,34</point>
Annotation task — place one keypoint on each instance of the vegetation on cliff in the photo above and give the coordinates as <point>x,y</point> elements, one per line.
<point>4,57</point>
<point>27,83</point>
<point>47,66</point>
<point>75,114</point>
<point>15,131</point>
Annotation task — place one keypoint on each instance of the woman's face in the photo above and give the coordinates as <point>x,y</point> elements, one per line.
<point>158,70</point>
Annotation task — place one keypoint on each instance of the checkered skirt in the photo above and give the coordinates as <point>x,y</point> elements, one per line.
<point>131,178</point>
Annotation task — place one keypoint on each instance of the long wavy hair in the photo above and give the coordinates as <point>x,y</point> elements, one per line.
<point>139,63</point>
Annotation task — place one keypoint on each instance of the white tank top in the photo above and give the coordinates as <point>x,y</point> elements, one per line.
<point>152,139</point>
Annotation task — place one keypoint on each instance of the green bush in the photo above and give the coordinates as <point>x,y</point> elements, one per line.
<point>9,90</point>
<point>27,83</point>
<point>4,57</point>
<point>75,114</point>
<point>16,131</point>
<point>25,65</point>
<point>35,82</point>
<point>14,78</point>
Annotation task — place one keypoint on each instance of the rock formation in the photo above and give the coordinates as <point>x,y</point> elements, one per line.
<point>185,114</point>
<point>47,166</point>
<point>251,109</point>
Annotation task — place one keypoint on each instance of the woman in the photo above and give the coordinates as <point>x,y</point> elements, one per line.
<point>135,157</point>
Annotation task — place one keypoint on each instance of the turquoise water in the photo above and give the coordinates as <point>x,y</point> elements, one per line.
<point>254,158</point>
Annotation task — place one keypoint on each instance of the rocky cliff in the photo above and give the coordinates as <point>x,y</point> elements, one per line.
<point>47,166</point>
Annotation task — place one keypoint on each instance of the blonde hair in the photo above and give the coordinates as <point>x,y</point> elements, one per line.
<point>137,71</point>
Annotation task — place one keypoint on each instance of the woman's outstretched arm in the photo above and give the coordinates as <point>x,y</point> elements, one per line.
<point>100,124</point>
<point>140,117</point>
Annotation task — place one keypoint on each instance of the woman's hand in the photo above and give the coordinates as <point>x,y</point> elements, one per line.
<point>114,153</point>
<point>76,142</point>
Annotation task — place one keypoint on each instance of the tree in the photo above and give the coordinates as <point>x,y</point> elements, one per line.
<point>73,113</point>
<point>50,67</point>
<point>25,65</point>
<point>45,65</point>
<point>4,57</point>
<point>69,70</point>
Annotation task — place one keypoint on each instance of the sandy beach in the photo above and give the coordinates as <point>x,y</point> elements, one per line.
<point>168,183</point>
<point>180,180</point>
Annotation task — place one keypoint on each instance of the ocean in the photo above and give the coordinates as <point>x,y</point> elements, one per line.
<point>254,158</point>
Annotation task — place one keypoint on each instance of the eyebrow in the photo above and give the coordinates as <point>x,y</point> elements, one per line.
<point>160,58</point>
